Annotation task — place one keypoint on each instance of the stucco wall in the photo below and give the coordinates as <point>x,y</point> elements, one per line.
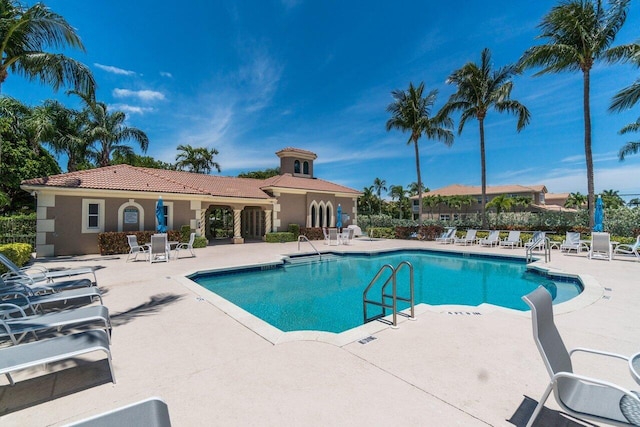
<point>293,210</point>
<point>68,238</point>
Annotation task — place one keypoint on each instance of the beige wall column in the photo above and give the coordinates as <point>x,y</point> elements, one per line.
<point>237,222</point>
<point>44,224</point>
<point>267,223</point>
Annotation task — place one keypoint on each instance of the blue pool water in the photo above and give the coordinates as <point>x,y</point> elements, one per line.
<point>327,295</point>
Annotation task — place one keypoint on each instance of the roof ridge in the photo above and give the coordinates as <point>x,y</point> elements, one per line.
<point>166,178</point>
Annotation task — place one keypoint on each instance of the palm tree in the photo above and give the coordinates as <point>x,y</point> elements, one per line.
<point>198,159</point>
<point>398,192</point>
<point>575,200</point>
<point>634,202</point>
<point>64,130</point>
<point>579,34</point>
<point>108,130</point>
<point>414,190</point>
<point>379,185</point>
<point>480,89</point>
<point>631,147</point>
<point>25,36</point>
<point>410,111</point>
<point>611,199</point>
<point>501,202</point>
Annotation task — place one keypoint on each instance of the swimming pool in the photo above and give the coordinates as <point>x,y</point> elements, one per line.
<point>327,295</point>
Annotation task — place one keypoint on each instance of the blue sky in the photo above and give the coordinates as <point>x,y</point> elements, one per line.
<point>251,77</point>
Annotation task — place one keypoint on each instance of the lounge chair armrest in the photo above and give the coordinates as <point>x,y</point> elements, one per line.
<point>13,309</point>
<point>599,352</point>
<point>8,331</point>
<point>13,276</point>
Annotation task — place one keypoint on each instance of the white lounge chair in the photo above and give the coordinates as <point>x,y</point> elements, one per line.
<point>37,273</point>
<point>600,246</point>
<point>512,240</point>
<point>571,242</point>
<point>448,236</point>
<point>538,241</point>
<point>149,412</point>
<point>135,248</point>
<point>492,239</point>
<point>468,239</point>
<point>18,327</point>
<point>578,395</point>
<point>27,355</point>
<point>629,250</point>
<point>333,237</point>
<point>45,287</point>
<point>26,300</point>
<point>188,245</point>
<point>325,233</point>
<point>346,236</point>
<point>159,248</point>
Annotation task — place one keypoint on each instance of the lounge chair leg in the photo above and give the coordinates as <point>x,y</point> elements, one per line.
<point>10,379</point>
<point>113,376</point>
<point>543,399</point>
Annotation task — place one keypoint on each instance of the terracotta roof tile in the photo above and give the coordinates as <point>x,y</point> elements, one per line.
<point>315,184</point>
<point>476,190</point>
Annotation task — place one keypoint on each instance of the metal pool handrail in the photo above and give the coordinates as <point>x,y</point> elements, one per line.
<point>394,293</point>
<point>305,238</point>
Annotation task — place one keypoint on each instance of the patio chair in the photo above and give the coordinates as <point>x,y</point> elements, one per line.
<point>150,412</point>
<point>43,288</point>
<point>333,237</point>
<point>346,236</point>
<point>325,233</point>
<point>27,355</point>
<point>492,239</point>
<point>600,246</point>
<point>188,245</point>
<point>571,242</point>
<point>448,236</point>
<point>632,250</point>
<point>39,273</point>
<point>468,239</point>
<point>18,327</point>
<point>159,248</point>
<point>135,249</point>
<point>538,241</point>
<point>578,395</point>
<point>512,240</point>
<point>25,300</point>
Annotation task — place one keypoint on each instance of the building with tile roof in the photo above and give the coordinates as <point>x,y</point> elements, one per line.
<point>72,208</point>
<point>540,199</point>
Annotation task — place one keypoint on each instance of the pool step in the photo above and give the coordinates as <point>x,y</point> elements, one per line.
<point>309,259</point>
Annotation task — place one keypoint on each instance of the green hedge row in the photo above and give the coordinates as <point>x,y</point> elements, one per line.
<point>19,253</point>
<point>280,237</point>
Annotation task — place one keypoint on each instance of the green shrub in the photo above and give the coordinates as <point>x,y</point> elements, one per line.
<point>115,242</point>
<point>295,229</point>
<point>199,242</point>
<point>280,237</point>
<point>19,253</point>
<point>185,233</point>
<point>382,232</point>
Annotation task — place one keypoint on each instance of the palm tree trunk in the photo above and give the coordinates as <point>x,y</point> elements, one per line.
<point>415,144</point>
<point>484,173</point>
<point>587,147</point>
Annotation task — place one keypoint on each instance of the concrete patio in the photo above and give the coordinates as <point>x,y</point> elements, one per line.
<point>462,366</point>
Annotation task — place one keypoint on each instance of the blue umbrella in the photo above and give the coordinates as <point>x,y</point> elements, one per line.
<point>598,215</point>
<point>339,215</point>
<point>162,227</point>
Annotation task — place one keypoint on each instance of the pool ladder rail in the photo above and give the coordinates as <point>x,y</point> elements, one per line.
<point>303,238</point>
<point>393,279</point>
<point>546,248</point>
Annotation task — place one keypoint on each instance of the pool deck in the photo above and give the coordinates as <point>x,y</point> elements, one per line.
<point>453,366</point>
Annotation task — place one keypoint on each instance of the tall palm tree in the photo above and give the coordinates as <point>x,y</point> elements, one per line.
<point>379,185</point>
<point>108,131</point>
<point>579,33</point>
<point>501,203</point>
<point>612,199</point>
<point>480,89</point>
<point>25,36</point>
<point>398,192</point>
<point>198,159</point>
<point>414,190</point>
<point>411,111</point>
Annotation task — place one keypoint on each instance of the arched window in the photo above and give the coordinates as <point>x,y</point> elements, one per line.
<point>313,215</point>
<point>305,168</point>
<point>329,216</point>
<point>321,222</point>
<point>296,166</point>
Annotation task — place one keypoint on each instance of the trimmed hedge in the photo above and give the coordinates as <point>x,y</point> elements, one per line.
<point>295,229</point>
<point>200,242</point>
<point>280,237</point>
<point>114,242</point>
<point>312,233</point>
<point>19,253</point>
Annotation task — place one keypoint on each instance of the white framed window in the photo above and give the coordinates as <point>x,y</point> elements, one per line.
<point>444,217</point>
<point>92,215</point>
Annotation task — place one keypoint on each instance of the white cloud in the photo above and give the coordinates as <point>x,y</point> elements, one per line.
<point>166,74</point>
<point>261,76</point>
<point>131,109</point>
<point>144,95</point>
<point>115,70</point>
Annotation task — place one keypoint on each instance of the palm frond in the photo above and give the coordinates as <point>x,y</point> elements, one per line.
<point>629,148</point>
<point>626,98</point>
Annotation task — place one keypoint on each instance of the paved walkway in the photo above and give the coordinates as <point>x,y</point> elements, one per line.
<point>443,369</point>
